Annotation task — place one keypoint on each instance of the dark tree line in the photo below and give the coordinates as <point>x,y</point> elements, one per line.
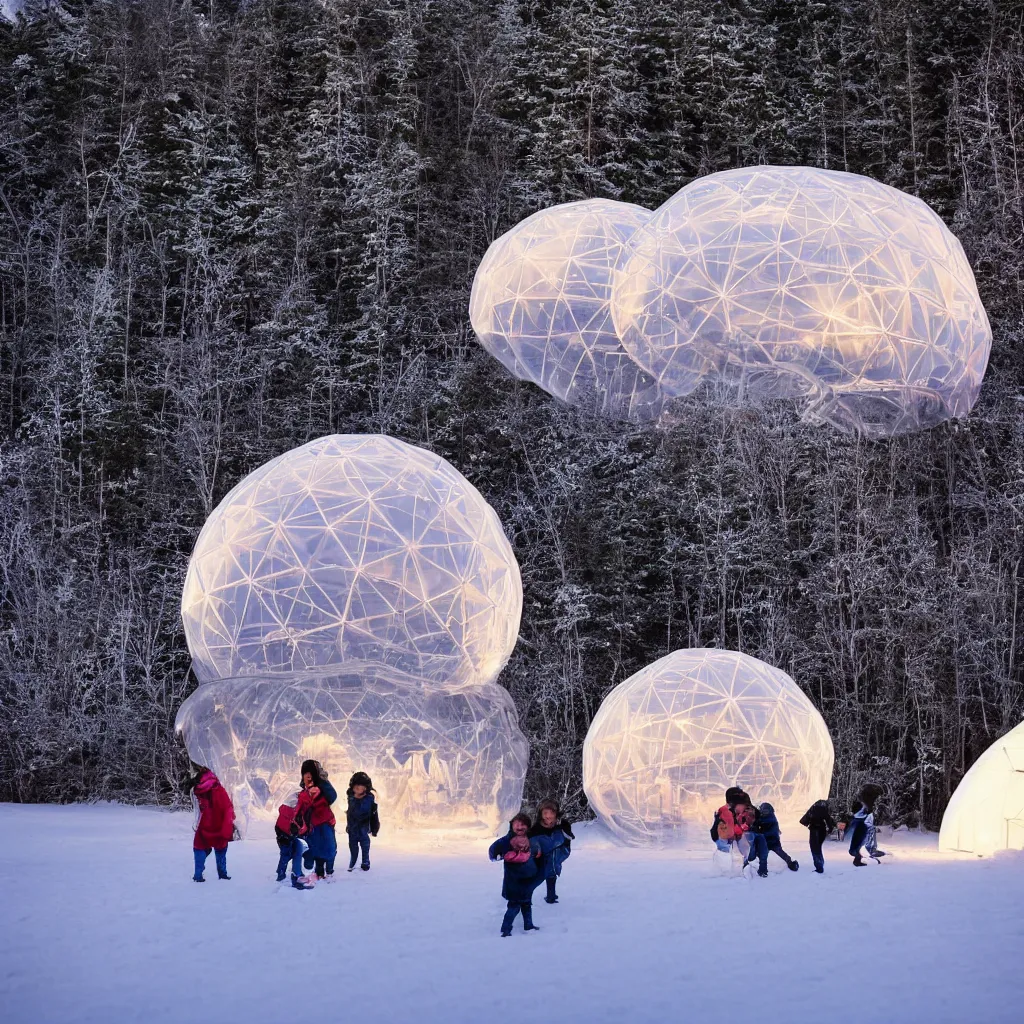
<point>227,228</point>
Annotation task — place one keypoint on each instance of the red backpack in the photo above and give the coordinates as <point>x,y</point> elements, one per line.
<point>286,816</point>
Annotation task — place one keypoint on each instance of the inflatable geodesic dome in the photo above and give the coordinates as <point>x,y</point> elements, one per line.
<point>541,305</point>
<point>353,548</point>
<point>666,744</point>
<point>438,758</point>
<point>357,597</point>
<point>844,294</point>
<point>986,812</point>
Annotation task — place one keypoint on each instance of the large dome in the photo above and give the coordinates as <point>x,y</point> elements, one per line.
<point>540,305</point>
<point>818,285</point>
<point>666,743</point>
<point>353,548</point>
<point>986,813</point>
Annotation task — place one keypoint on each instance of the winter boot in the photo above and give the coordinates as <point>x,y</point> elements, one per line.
<point>794,865</point>
<point>299,883</point>
<point>819,871</point>
<point>352,868</point>
<point>200,879</point>
<point>858,862</point>
<point>528,925</point>
<point>762,873</point>
<point>281,876</point>
<point>366,866</point>
<point>224,875</point>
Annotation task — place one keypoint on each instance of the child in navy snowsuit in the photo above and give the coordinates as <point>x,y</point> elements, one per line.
<point>315,799</point>
<point>519,854</point>
<point>553,834</point>
<point>819,823</point>
<point>361,820</point>
<point>767,836</point>
<point>288,831</point>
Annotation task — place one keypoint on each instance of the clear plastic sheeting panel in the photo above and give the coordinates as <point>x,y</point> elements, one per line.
<point>353,548</point>
<point>986,813</point>
<point>846,295</point>
<point>540,305</point>
<point>438,758</point>
<point>819,285</point>
<point>666,744</point>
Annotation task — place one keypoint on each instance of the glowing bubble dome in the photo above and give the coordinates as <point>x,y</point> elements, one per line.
<point>438,759</point>
<point>353,548</point>
<point>540,305</point>
<point>986,813</point>
<point>666,744</point>
<point>818,285</point>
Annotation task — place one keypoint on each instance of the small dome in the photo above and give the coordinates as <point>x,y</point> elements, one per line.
<point>666,744</point>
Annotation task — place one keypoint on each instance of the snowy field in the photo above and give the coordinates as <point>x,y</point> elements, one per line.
<point>100,921</point>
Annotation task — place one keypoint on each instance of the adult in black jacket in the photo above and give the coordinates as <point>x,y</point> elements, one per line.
<point>819,823</point>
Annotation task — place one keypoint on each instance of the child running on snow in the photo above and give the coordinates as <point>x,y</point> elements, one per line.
<point>863,823</point>
<point>819,823</point>
<point>553,834</point>
<point>216,825</point>
<point>519,854</point>
<point>314,806</point>
<point>288,831</point>
<point>361,820</point>
<point>767,835</point>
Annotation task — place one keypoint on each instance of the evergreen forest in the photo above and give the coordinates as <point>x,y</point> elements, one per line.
<point>229,227</point>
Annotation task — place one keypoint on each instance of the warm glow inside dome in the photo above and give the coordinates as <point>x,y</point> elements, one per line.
<point>540,305</point>
<point>438,759</point>
<point>354,601</point>
<point>986,813</point>
<point>842,293</point>
<point>666,743</point>
<point>353,548</point>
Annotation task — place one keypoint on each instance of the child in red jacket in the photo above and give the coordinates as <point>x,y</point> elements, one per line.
<point>216,825</point>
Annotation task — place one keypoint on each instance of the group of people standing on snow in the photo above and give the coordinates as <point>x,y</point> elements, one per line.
<point>754,830</point>
<point>532,853</point>
<point>304,828</point>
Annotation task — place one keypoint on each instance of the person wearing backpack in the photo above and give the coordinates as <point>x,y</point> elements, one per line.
<point>819,823</point>
<point>732,821</point>
<point>289,830</point>
<point>314,804</point>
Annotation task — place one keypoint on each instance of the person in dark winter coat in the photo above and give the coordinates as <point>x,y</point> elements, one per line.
<point>862,808</point>
<point>519,855</point>
<point>361,819</point>
<point>767,836</point>
<point>819,823</point>
<point>216,825</point>
<point>314,806</point>
<point>289,830</point>
<point>554,836</point>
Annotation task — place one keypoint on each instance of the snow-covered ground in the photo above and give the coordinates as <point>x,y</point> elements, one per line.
<point>100,921</point>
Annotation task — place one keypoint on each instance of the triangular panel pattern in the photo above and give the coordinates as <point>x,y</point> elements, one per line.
<point>353,548</point>
<point>797,282</point>
<point>666,743</point>
<point>438,758</point>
